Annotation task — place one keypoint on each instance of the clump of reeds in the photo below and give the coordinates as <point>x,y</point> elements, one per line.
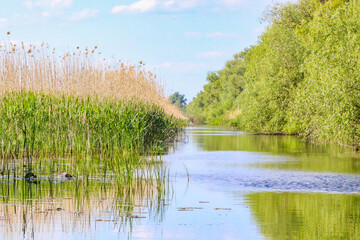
<point>37,124</point>
<point>79,104</point>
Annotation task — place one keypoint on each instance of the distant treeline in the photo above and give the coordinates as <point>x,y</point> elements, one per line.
<point>302,77</point>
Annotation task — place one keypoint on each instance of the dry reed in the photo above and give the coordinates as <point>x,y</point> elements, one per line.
<point>80,73</point>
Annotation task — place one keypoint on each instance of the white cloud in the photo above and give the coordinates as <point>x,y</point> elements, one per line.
<point>45,14</point>
<point>140,6</point>
<point>171,5</point>
<point>211,54</point>
<point>49,3</point>
<point>231,2</point>
<point>180,67</point>
<point>212,35</point>
<point>221,35</point>
<point>151,5</point>
<point>84,14</point>
<point>3,20</point>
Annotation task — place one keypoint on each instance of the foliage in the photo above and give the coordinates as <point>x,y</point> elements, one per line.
<point>301,78</point>
<point>327,103</point>
<point>213,104</point>
<point>178,100</point>
<point>79,105</point>
<point>79,73</point>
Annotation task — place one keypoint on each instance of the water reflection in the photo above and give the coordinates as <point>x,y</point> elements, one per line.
<point>302,155</point>
<point>91,205</point>
<point>217,183</point>
<point>290,179</point>
<point>306,216</point>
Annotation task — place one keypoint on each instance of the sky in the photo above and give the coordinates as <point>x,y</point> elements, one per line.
<point>179,40</point>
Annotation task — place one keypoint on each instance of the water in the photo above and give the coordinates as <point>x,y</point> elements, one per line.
<point>221,184</point>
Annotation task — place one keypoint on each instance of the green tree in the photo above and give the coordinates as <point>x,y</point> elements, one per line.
<point>213,104</point>
<point>327,104</point>
<point>178,100</point>
<point>302,77</point>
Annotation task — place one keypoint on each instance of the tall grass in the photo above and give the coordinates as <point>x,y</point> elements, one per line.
<point>81,73</point>
<point>79,104</point>
<point>35,125</point>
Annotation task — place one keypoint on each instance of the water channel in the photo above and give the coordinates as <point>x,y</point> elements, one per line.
<point>221,184</point>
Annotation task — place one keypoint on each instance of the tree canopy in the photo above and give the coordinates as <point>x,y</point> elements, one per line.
<point>302,77</point>
<point>178,100</point>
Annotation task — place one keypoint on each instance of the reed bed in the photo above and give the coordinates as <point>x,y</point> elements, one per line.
<point>37,125</point>
<point>81,73</point>
<point>79,104</point>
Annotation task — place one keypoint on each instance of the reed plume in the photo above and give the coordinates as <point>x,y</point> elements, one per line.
<point>80,73</point>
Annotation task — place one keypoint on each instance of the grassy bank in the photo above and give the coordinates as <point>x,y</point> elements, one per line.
<point>302,77</point>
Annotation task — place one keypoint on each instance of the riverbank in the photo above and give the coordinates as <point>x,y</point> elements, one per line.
<point>300,78</point>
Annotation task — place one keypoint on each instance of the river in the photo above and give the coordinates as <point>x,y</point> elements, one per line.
<point>234,185</point>
<point>220,184</point>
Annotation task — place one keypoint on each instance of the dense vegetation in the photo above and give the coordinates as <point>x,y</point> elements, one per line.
<point>80,105</point>
<point>302,77</point>
<point>49,125</point>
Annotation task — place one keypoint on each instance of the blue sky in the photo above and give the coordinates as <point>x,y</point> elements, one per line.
<point>179,40</point>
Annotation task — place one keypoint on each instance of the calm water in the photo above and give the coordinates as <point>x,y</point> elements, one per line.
<point>220,184</point>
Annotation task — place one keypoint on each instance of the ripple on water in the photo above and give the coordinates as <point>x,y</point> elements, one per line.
<point>287,181</point>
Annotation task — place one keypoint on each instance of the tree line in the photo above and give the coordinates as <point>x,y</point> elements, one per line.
<point>302,77</point>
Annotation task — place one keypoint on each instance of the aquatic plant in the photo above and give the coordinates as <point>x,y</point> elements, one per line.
<point>37,124</point>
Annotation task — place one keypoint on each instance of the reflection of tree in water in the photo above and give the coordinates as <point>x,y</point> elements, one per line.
<point>302,155</point>
<point>306,216</point>
<point>248,142</point>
